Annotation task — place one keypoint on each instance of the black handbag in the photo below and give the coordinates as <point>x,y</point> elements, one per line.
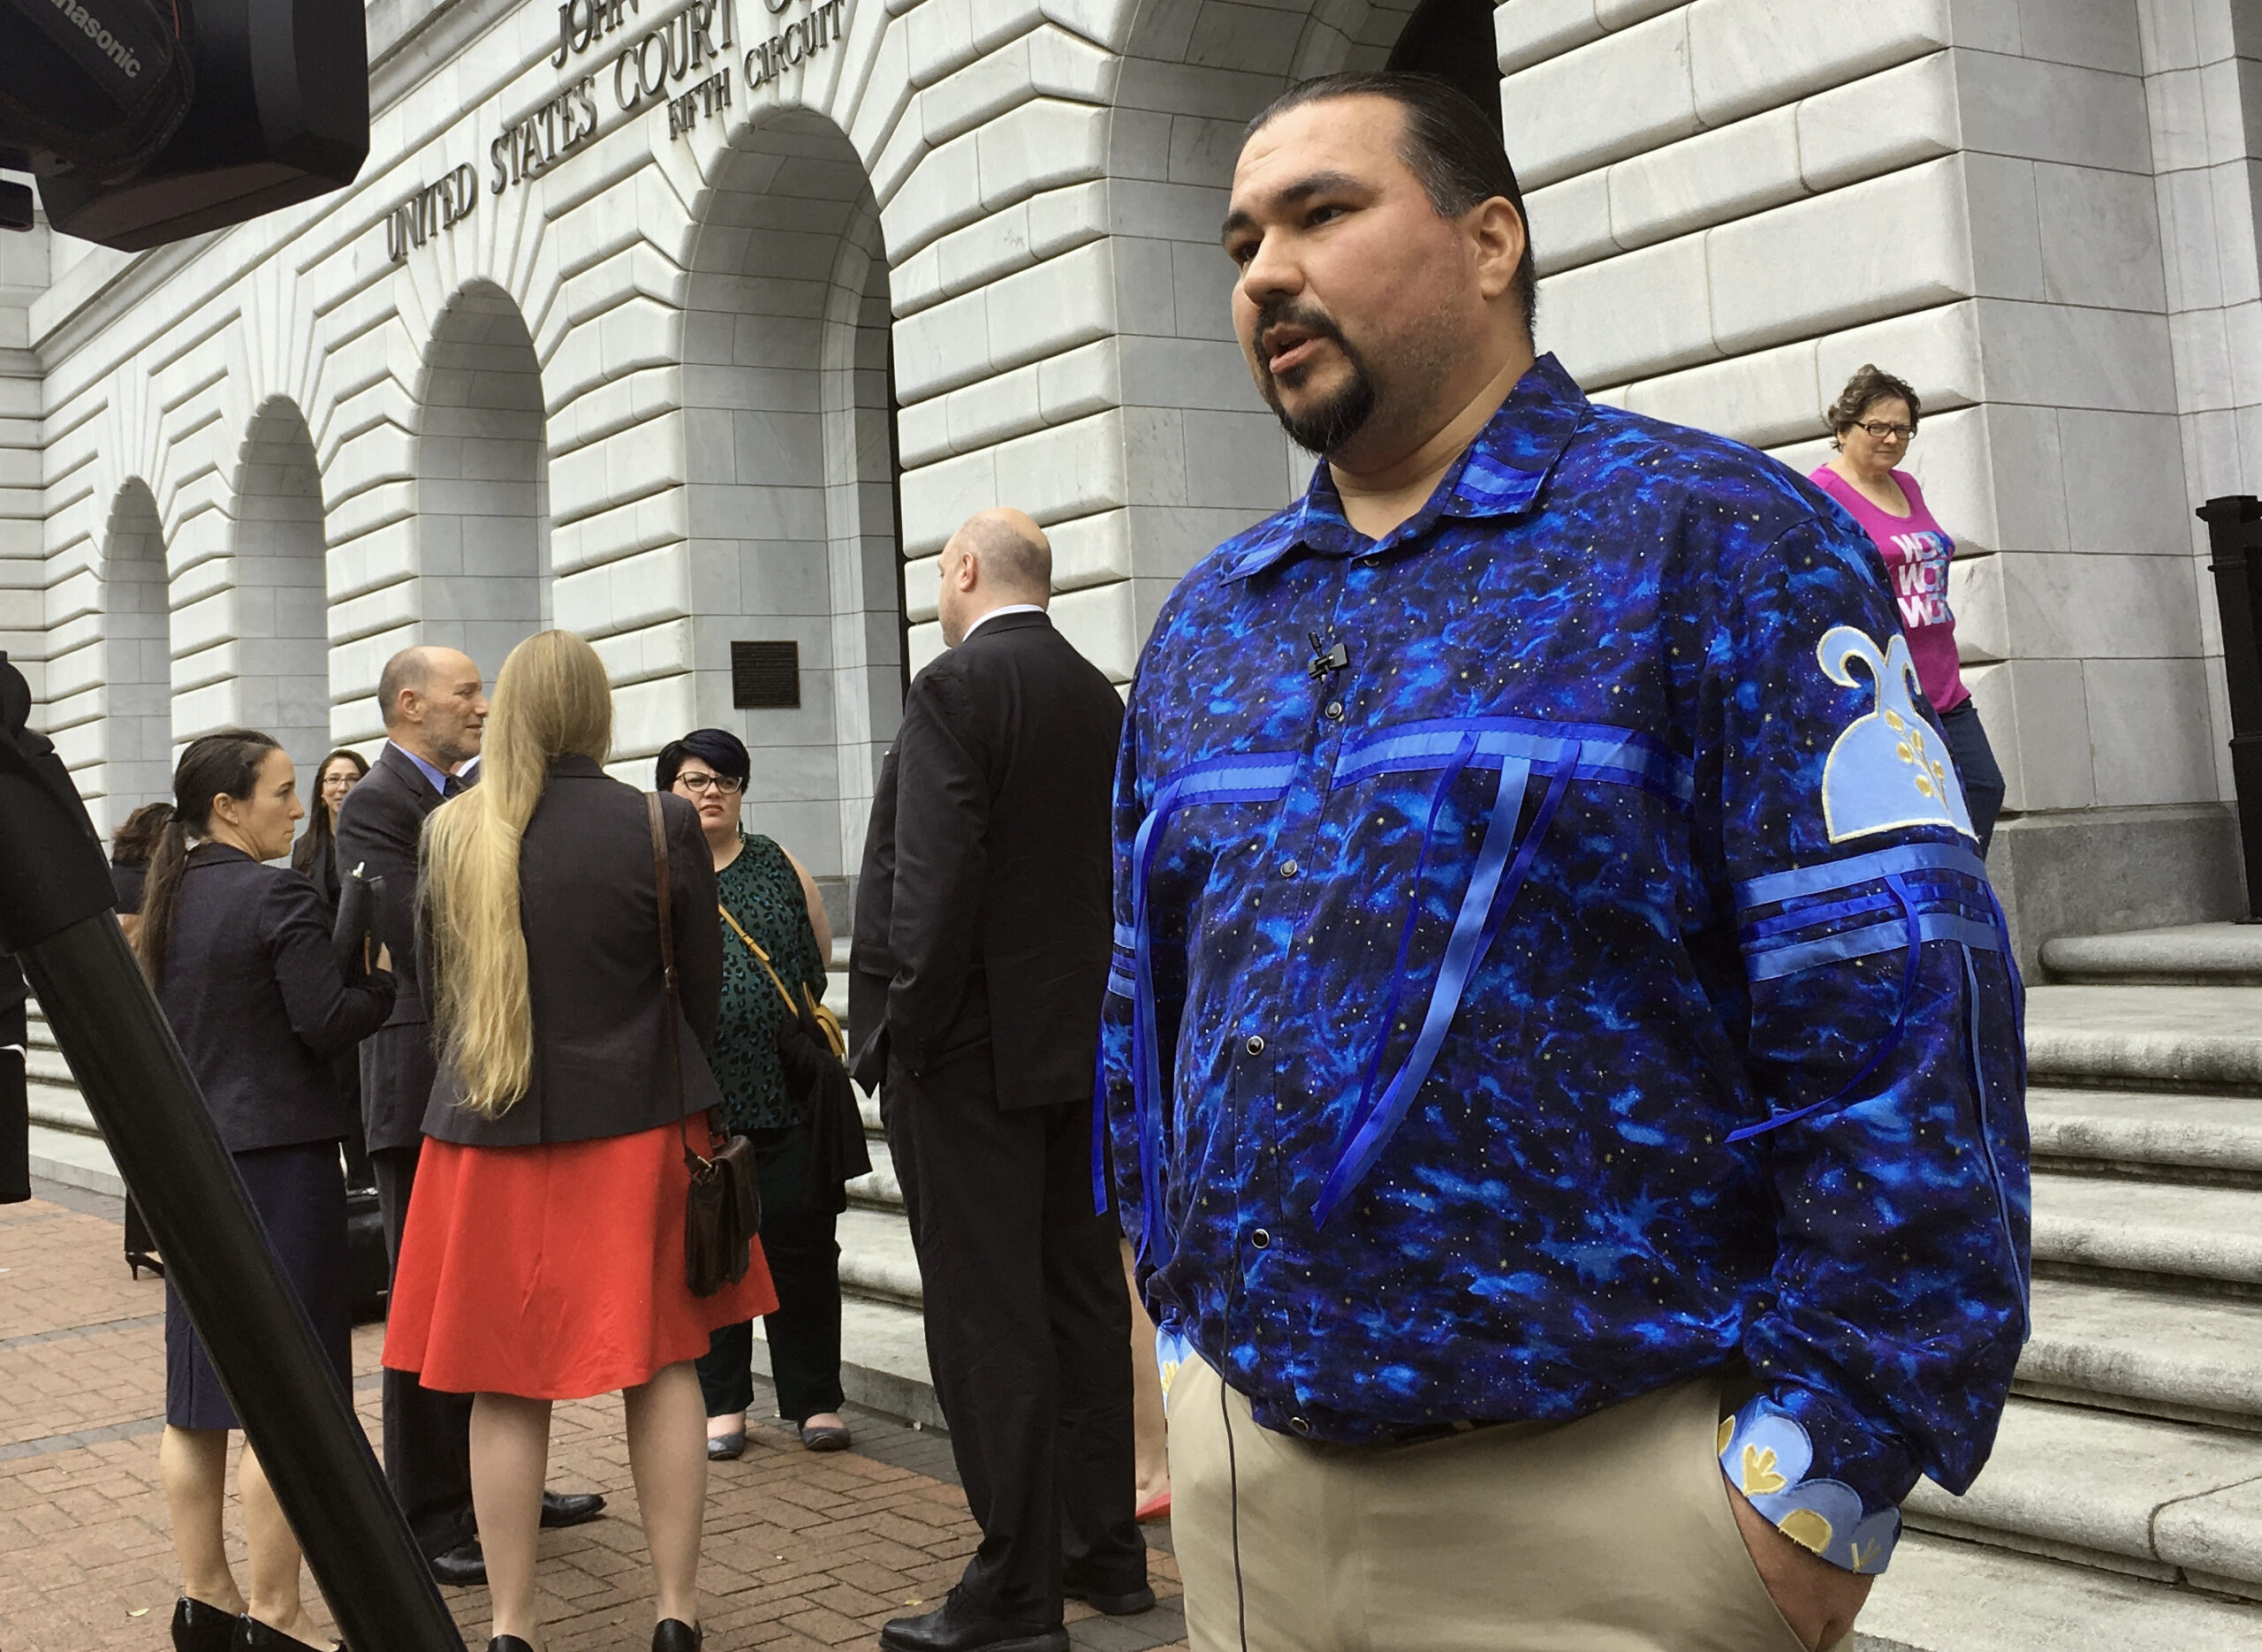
<point>723,1211</point>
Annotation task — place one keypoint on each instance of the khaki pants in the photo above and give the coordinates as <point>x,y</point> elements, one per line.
<point>1611,1533</point>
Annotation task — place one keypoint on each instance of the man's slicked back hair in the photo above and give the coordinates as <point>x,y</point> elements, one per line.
<point>1450,144</point>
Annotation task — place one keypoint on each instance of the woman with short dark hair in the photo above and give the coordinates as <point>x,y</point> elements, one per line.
<point>1872,424</point>
<point>238,953</point>
<point>771,910</point>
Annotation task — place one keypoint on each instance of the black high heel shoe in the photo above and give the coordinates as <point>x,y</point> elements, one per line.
<point>254,1636</point>
<point>200,1627</point>
<point>675,1635</point>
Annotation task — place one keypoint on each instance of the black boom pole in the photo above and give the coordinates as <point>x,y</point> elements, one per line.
<point>56,917</point>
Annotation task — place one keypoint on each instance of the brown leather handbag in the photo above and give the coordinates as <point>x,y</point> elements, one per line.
<point>723,1211</point>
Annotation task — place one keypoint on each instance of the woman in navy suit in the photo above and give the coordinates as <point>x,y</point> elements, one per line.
<point>241,958</point>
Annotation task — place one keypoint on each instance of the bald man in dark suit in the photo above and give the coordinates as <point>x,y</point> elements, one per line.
<point>981,955</point>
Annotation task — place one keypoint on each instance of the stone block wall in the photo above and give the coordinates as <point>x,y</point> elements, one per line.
<point>641,386</point>
<point>1737,203</point>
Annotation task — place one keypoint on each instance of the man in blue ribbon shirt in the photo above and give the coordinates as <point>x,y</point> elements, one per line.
<point>1561,1048</point>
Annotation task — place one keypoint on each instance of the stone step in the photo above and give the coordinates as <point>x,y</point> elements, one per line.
<point>1941,1594</point>
<point>75,1160</point>
<point>2190,955</point>
<point>2129,1231</point>
<point>2148,1133</point>
<point>880,1190</point>
<point>2187,1359</point>
<point>60,1107</point>
<point>877,1261</point>
<point>2174,1501</point>
<point>2183,1038</point>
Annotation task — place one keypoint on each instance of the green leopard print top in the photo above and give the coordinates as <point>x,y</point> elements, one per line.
<point>760,890</point>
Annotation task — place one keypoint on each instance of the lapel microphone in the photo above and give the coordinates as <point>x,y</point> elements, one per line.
<point>1327,661</point>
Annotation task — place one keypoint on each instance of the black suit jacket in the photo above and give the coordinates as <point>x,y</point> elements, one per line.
<point>589,906</point>
<point>999,909</point>
<point>379,827</point>
<point>257,1003</point>
<point>871,965</point>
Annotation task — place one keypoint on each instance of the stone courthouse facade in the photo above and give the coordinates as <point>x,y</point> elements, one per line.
<point>689,323</point>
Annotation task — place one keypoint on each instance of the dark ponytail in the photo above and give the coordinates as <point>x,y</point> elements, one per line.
<point>225,764</point>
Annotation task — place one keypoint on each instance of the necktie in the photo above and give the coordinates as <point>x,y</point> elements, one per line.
<point>454,787</point>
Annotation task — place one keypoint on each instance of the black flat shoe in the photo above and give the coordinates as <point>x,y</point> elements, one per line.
<point>198,1626</point>
<point>464,1566</point>
<point>675,1635</point>
<point>508,1643</point>
<point>254,1636</point>
<point>726,1448</point>
<point>829,1439</point>
<point>569,1508</point>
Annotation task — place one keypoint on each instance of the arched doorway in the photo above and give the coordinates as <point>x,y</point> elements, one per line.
<point>137,754</point>
<point>791,474</point>
<point>1218,459</point>
<point>483,481</point>
<point>280,683</point>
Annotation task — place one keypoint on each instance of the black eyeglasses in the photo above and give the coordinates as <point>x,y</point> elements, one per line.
<point>697,784</point>
<point>1880,431</point>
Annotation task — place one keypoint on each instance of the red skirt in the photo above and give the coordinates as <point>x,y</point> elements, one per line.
<point>554,1272</point>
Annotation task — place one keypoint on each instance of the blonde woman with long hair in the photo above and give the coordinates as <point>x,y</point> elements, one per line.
<point>543,1258</point>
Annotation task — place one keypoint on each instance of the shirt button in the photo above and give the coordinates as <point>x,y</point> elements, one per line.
<point>1301,1426</point>
<point>1289,869</point>
<point>1335,709</point>
<point>1254,1046</point>
<point>1262,1240</point>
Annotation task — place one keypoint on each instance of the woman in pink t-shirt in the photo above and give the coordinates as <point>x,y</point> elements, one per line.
<point>1873,421</point>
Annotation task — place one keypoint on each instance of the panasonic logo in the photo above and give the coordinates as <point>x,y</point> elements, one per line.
<point>112,47</point>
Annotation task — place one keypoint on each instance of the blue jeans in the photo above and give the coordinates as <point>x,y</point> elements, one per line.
<point>1974,767</point>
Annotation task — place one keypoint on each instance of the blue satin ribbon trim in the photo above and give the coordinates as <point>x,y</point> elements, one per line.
<point>1788,958</point>
<point>1491,889</point>
<point>1987,1141</point>
<point>1243,778</point>
<point>1910,929</point>
<point>1830,875</point>
<point>1599,752</point>
<point>1931,896</point>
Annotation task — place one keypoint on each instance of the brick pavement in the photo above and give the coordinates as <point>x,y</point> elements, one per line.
<point>802,1551</point>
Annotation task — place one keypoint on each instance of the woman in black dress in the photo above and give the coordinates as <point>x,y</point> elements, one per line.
<point>315,854</point>
<point>239,955</point>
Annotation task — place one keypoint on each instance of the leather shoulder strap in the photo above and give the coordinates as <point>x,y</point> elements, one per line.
<point>660,881</point>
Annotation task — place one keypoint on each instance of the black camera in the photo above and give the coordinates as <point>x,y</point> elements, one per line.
<point>146,121</point>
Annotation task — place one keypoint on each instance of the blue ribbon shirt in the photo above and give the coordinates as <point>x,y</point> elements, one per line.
<point>1553,961</point>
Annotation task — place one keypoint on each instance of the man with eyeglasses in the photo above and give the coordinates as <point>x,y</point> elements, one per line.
<point>1562,1053</point>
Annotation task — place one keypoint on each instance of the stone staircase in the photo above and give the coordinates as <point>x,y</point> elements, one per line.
<point>2124,1502</point>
